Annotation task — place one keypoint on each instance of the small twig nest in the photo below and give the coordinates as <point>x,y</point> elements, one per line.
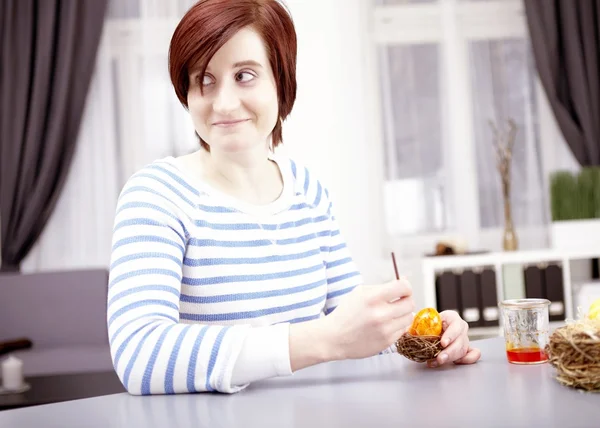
<point>574,350</point>
<point>419,348</point>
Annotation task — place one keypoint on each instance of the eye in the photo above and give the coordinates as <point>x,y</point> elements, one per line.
<point>244,76</point>
<point>206,80</point>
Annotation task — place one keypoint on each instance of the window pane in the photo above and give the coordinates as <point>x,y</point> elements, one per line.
<point>502,89</point>
<point>414,167</point>
<point>123,9</point>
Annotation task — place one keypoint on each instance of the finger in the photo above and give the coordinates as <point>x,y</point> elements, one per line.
<point>455,344</point>
<point>449,317</point>
<point>401,308</point>
<point>455,351</point>
<point>473,355</point>
<point>399,326</point>
<point>454,327</point>
<point>394,290</point>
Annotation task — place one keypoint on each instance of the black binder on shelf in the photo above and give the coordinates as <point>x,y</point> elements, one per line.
<point>447,292</point>
<point>490,312</point>
<point>534,283</point>
<point>555,292</point>
<point>470,297</point>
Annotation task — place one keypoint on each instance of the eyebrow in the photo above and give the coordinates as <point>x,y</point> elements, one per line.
<point>235,65</point>
<point>246,63</point>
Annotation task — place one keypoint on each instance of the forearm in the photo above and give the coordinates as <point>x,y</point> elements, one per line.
<point>312,343</point>
<point>282,349</point>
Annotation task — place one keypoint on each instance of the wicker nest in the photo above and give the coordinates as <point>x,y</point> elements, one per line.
<point>574,350</point>
<point>419,348</point>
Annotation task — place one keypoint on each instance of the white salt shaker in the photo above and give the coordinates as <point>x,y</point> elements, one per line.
<point>12,373</point>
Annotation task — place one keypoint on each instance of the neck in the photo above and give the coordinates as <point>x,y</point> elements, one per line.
<point>248,175</point>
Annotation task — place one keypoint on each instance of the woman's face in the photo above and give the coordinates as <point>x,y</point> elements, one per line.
<point>238,108</point>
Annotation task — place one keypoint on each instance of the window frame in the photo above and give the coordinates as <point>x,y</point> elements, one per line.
<point>453,24</point>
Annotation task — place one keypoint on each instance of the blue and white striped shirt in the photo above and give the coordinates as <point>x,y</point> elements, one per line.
<point>195,273</point>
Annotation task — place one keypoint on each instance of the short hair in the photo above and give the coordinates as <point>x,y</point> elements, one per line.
<point>209,24</point>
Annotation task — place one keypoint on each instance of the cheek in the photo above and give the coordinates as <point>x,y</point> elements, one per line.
<point>266,104</point>
<point>198,110</point>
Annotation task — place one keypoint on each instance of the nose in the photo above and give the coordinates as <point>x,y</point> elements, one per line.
<point>226,99</point>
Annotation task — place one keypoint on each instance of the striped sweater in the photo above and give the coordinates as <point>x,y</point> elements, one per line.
<point>203,286</point>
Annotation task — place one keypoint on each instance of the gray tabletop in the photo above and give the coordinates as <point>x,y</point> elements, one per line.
<point>384,391</point>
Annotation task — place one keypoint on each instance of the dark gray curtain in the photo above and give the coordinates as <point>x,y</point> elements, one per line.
<point>48,50</point>
<point>565,36</point>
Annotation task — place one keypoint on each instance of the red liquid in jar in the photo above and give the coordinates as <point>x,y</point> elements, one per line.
<point>526,355</point>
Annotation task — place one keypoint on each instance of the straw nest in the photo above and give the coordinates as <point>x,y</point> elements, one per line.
<point>574,350</point>
<point>419,348</point>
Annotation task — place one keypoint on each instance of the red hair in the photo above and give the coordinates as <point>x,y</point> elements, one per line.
<point>209,24</point>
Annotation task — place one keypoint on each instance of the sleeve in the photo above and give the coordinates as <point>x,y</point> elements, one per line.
<point>342,273</point>
<point>152,351</point>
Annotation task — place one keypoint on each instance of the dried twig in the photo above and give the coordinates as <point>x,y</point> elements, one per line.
<point>503,148</point>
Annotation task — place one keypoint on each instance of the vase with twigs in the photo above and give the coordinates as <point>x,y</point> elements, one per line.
<point>503,143</point>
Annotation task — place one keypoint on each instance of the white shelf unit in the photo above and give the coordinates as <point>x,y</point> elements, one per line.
<point>497,260</point>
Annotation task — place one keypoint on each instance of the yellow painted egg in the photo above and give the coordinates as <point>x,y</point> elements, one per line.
<point>427,322</point>
<point>594,312</point>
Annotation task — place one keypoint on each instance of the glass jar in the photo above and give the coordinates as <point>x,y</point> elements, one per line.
<point>526,330</point>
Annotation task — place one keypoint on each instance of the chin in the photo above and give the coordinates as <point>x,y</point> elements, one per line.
<point>235,143</point>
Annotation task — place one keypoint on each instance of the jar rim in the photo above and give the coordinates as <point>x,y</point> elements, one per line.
<point>529,303</point>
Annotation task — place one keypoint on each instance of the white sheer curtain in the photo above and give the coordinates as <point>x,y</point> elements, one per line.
<point>414,164</point>
<point>132,117</point>
<point>503,82</point>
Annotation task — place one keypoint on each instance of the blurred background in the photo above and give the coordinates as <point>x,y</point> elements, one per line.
<point>396,110</point>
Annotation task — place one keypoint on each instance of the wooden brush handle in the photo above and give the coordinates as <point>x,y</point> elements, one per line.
<point>15,345</point>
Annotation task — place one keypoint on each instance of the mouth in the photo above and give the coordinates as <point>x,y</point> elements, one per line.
<point>229,123</point>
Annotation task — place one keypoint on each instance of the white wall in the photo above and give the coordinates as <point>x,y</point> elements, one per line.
<point>332,128</point>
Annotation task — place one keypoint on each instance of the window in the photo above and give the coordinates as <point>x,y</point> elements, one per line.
<point>502,76</point>
<point>414,165</point>
<point>446,69</point>
<point>150,121</point>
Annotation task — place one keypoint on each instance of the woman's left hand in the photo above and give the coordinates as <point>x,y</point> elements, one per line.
<point>455,341</point>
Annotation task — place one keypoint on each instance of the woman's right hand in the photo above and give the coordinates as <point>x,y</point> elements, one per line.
<point>370,319</point>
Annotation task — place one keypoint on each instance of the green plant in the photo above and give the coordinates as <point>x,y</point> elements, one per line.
<point>575,196</point>
<point>589,188</point>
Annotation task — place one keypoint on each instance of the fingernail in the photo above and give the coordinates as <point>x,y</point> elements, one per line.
<point>443,358</point>
<point>433,364</point>
<point>445,342</point>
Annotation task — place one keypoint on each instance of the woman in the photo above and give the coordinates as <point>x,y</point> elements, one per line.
<point>224,261</point>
